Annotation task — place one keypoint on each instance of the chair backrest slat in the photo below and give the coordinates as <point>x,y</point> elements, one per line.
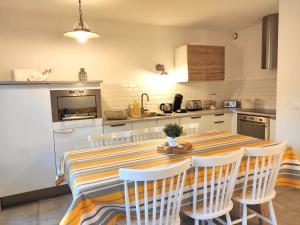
<point>261,179</point>
<point>126,136</point>
<point>168,183</point>
<point>219,177</point>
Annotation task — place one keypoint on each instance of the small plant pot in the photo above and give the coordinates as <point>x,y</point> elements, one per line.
<point>172,141</point>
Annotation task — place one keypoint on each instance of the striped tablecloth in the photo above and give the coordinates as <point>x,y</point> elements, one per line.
<point>92,174</point>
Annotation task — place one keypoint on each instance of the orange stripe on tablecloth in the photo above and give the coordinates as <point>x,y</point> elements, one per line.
<point>83,207</point>
<point>153,152</point>
<point>164,162</point>
<point>287,180</point>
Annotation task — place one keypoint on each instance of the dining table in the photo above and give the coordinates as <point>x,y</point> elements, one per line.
<point>98,194</point>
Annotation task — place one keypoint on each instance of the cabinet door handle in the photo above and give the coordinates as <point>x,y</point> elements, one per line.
<point>196,117</point>
<point>118,125</point>
<point>219,122</point>
<point>63,130</point>
<point>220,114</point>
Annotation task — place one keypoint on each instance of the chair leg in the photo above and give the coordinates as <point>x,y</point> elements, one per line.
<point>272,213</point>
<point>196,222</point>
<point>202,222</point>
<point>244,219</point>
<point>228,219</point>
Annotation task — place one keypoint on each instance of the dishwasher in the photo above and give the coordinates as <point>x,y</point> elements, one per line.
<point>254,126</point>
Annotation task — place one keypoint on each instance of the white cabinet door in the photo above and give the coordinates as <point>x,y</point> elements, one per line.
<point>234,122</point>
<point>163,122</point>
<point>143,124</point>
<point>203,121</point>
<point>116,127</point>
<point>26,138</point>
<point>221,122</point>
<point>272,129</point>
<point>67,139</point>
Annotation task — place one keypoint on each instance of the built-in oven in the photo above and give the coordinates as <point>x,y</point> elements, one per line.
<point>75,104</point>
<point>254,126</point>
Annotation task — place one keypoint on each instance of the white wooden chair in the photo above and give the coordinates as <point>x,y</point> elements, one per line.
<point>219,177</point>
<point>260,180</point>
<point>160,201</point>
<point>191,128</point>
<point>147,134</point>
<point>110,139</point>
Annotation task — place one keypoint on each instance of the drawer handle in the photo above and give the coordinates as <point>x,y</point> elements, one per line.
<point>219,122</point>
<point>196,117</point>
<point>118,125</point>
<point>220,114</point>
<point>63,130</point>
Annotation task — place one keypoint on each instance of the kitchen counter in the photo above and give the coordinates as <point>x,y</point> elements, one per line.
<point>11,82</point>
<point>169,115</point>
<point>271,115</point>
<point>188,114</point>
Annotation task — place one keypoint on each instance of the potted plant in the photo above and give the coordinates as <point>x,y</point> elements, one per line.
<point>172,131</point>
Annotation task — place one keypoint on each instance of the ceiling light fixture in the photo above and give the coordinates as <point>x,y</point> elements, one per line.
<point>161,68</point>
<point>81,31</point>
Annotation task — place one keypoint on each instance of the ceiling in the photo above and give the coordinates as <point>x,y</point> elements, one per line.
<point>207,14</point>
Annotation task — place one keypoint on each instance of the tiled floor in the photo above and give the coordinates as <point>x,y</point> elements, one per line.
<point>50,211</point>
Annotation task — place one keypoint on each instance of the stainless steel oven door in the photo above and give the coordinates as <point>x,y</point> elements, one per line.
<point>255,126</point>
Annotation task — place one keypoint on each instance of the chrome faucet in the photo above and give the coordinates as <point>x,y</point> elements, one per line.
<point>142,102</point>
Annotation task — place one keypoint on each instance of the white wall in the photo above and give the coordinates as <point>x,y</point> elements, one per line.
<point>253,83</point>
<point>124,53</point>
<point>288,83</point>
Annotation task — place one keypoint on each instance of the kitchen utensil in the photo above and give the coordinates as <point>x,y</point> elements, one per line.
<point>209,104</point>
<point>230,104</point>
<point>115,114</point>
<point>166,107</point>
<point>194,105</point>
<point>177,102</point>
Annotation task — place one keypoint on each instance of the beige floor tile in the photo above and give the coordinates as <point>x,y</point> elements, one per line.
<point>285,216</point>
<point>20,215</point>
<point>52,210</point>
<point>289,199</point>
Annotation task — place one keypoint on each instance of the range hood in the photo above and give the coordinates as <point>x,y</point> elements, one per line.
<point>269,41</point>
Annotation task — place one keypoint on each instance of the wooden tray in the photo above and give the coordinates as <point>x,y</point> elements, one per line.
<point>175,150</point>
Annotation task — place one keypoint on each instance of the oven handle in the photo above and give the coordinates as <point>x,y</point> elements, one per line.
<point>246,121</point>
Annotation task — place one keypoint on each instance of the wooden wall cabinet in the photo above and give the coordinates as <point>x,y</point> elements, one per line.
<point>199,63</point>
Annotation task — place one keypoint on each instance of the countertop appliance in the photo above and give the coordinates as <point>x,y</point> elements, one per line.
<point>166,107</point>
<point>177,102</point>
<point>75,104</point>
<point>254,126</point>
<point>194,105</point>
<point>231,104</point>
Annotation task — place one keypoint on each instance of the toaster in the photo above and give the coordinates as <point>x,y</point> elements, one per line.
<point>194,105</point>
<point>231,104</point>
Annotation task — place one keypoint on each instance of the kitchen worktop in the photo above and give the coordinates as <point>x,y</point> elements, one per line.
<point>188,114</point>
<point>169,115</point>
<point>11,82</point>
<point>269,113</point>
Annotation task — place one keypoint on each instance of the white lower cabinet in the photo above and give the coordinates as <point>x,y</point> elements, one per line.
<point>203,121</point>
<point>163,122</point>
<point>70,138</point>
<point>143,124</point>
<point>221,122</point>
<point>117,127</point>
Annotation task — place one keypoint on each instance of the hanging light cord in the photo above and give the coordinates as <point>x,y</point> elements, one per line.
<point>80,15</point>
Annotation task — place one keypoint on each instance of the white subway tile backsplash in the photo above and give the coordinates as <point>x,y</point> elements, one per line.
<point>119,96</point>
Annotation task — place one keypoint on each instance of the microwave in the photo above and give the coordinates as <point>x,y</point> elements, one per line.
<point>231,104</point>
<point>76,104</point>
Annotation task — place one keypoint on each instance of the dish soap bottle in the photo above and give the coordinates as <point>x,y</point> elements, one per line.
<point>136,110</point>
<point>82,75</point>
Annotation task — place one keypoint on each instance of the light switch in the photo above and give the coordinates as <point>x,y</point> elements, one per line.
<point>296,105</point>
